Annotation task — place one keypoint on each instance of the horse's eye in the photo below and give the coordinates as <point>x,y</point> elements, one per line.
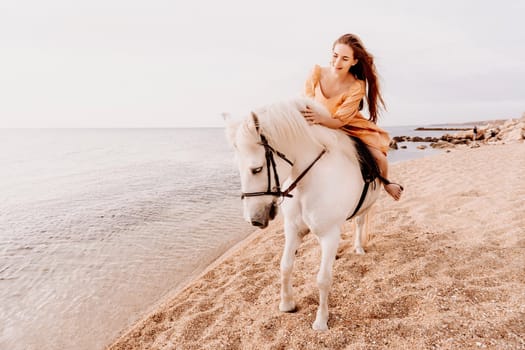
<point>257,170</point>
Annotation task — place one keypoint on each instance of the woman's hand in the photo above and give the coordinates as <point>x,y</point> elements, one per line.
<point>322,117</point>
<point>311,116</point>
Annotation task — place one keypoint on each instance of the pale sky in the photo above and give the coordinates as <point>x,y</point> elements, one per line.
<point>159,63</point>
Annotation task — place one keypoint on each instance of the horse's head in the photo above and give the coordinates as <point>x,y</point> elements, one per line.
<point>258,179</point>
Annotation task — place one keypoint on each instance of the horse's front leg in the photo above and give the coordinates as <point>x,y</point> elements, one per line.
<point>293,237</point>
<point>329,243</point>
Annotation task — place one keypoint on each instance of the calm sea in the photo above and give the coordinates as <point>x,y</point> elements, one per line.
<point>97,225</point>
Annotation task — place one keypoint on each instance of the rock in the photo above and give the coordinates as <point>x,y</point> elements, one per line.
<point>463,135</point>
<point>400,138</point>
<point>509,123</point>
<point>514,134</point>
<point>441,144</point>
<point>491,133</point>
<point>480,135</point>
<point>447,137</point>
<point>393,144</point>
<point>404,147</point>
<point>421,147</point>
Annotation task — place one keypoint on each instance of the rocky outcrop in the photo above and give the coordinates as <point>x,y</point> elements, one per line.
<point>508,131</point>
<point>414,139</point>
<point>497,132</point>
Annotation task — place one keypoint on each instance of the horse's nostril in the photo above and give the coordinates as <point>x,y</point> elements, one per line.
<point>273,211</point>
<point>257,223</point>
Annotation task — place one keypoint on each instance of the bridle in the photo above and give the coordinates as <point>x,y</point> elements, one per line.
<point>271,166</point>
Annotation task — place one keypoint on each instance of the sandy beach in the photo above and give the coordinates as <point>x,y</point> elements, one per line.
<point>444,269</point>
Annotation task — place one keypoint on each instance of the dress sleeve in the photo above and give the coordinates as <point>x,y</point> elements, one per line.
<point>350,105</point>
<point>311,81</point>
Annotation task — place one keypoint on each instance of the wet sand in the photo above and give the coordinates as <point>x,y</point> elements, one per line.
<point>444,269</point>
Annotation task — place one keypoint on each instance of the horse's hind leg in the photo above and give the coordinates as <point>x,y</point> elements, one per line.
<point>329,243</point>
<point>293,237</point>
<point>360,229</point>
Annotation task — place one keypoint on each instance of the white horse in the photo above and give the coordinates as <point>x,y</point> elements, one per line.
<point>322,167</point>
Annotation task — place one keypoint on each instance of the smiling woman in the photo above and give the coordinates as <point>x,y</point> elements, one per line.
<point>341,88</point>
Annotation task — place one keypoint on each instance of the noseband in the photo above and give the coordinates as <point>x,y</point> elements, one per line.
<point>271,166</point>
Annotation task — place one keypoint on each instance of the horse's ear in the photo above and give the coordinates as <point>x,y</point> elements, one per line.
<point>231,128</point>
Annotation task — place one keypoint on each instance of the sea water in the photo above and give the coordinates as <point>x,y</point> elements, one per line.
<point>96,225</point>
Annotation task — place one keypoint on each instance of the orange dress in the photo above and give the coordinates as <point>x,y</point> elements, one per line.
<point>345,107</point>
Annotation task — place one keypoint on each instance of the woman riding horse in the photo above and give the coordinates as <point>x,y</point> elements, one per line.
<point>341,88</point>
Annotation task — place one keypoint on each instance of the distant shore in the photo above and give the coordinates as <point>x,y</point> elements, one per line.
<point>443,269</point>
<point>441,129</point>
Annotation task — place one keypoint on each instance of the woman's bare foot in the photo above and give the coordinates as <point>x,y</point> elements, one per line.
<point>394,190</point>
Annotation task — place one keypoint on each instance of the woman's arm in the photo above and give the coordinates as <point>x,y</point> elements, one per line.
<point>344,114</point>
<point>314,116</point>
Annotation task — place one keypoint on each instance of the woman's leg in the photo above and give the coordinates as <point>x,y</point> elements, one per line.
<point>392,189</point>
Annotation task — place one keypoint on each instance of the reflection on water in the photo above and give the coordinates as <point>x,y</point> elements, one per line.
<point>97,225</point>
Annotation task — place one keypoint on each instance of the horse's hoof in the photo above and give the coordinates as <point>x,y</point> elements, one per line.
<point>288,307</point>
<point>320,326</point>
<point>359,251</point>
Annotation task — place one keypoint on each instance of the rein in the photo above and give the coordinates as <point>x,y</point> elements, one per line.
<point>270,161</point>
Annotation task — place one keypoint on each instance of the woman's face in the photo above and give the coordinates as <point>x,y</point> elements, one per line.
<point>342,59</point>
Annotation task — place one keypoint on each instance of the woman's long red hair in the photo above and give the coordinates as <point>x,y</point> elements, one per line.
<point>365,69</point>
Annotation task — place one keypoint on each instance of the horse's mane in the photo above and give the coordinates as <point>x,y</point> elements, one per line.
<point>284,121</point>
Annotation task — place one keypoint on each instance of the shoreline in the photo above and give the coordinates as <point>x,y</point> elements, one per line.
<point>180,316</point>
